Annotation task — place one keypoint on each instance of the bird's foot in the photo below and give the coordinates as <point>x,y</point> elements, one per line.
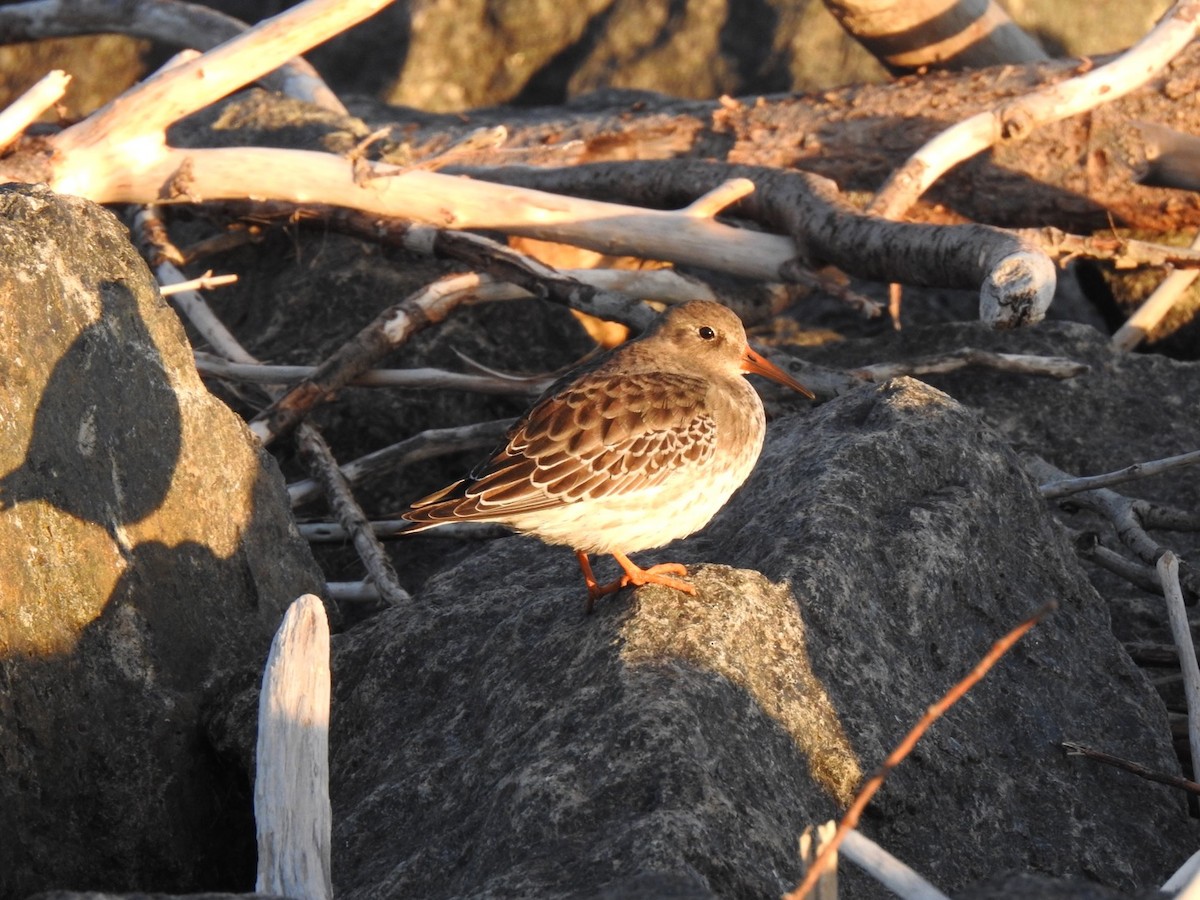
<point>634,575</point>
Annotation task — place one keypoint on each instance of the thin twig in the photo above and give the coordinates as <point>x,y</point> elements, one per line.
<point>932,714</point>
<point>1126,514</point>
<point>389,330</point>
<point>1123,253</point>
<point>1074,749</point>
<point>334,533</point>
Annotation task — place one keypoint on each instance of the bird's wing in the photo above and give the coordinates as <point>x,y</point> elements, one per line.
<point>610,434</point>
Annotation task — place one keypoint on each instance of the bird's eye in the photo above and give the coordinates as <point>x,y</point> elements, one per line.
<point>706,333</point>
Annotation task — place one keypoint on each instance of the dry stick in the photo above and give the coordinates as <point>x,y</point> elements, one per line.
<point>412,379</point>
<point>292,815</point>
<point>932,714</point>
<point>31,104</point>
<point>666,285</point>
<point>1016,118</point>
<point>1074,749</point>
<point>909,37</point>
<point>541,280</point>
<point>1168,573</point>
<point>1050,366</point>
<point>1064,486</point>
<point>428,444</point>
<point>150,236</point>
<point>812,843</point>
<point>324,468</point>
<point>1147,316</point>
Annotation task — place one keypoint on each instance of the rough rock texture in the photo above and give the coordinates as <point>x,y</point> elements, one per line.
<point>492,741</point>
<point>145,547</point>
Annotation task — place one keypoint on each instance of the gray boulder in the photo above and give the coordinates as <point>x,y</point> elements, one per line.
<point>146,548</point>
<point>493,741</point>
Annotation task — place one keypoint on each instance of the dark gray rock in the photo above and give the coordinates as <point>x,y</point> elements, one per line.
<point>493,741</point>
<point>146,547</point>
<point>1127,407</point>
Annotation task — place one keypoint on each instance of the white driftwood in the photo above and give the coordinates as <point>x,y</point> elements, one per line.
<point>1168,574</point>
<point>291,784</point>
<point>886,869</point>
<point>31,104</point>
<point>1016,118</point>
<point>812,841</point>
<point>1183,875</point>
<point>1156,307</point>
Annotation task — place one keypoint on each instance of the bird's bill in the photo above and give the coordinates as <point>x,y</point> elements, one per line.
<point>757,365</point>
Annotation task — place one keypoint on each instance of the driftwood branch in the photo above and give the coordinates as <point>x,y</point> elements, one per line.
<point>291,782</point>
<point>886,869</point>
<point>390,329</point>
<point>1014,119</point>
<point>1016,363</point>
<point>1147,316</point>
<point>120,154</point>
<point>31,104</point>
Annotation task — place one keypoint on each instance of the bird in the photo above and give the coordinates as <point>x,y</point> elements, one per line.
<point>631,450</point>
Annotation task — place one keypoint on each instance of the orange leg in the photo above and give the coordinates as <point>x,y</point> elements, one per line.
<point>634,574</point>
